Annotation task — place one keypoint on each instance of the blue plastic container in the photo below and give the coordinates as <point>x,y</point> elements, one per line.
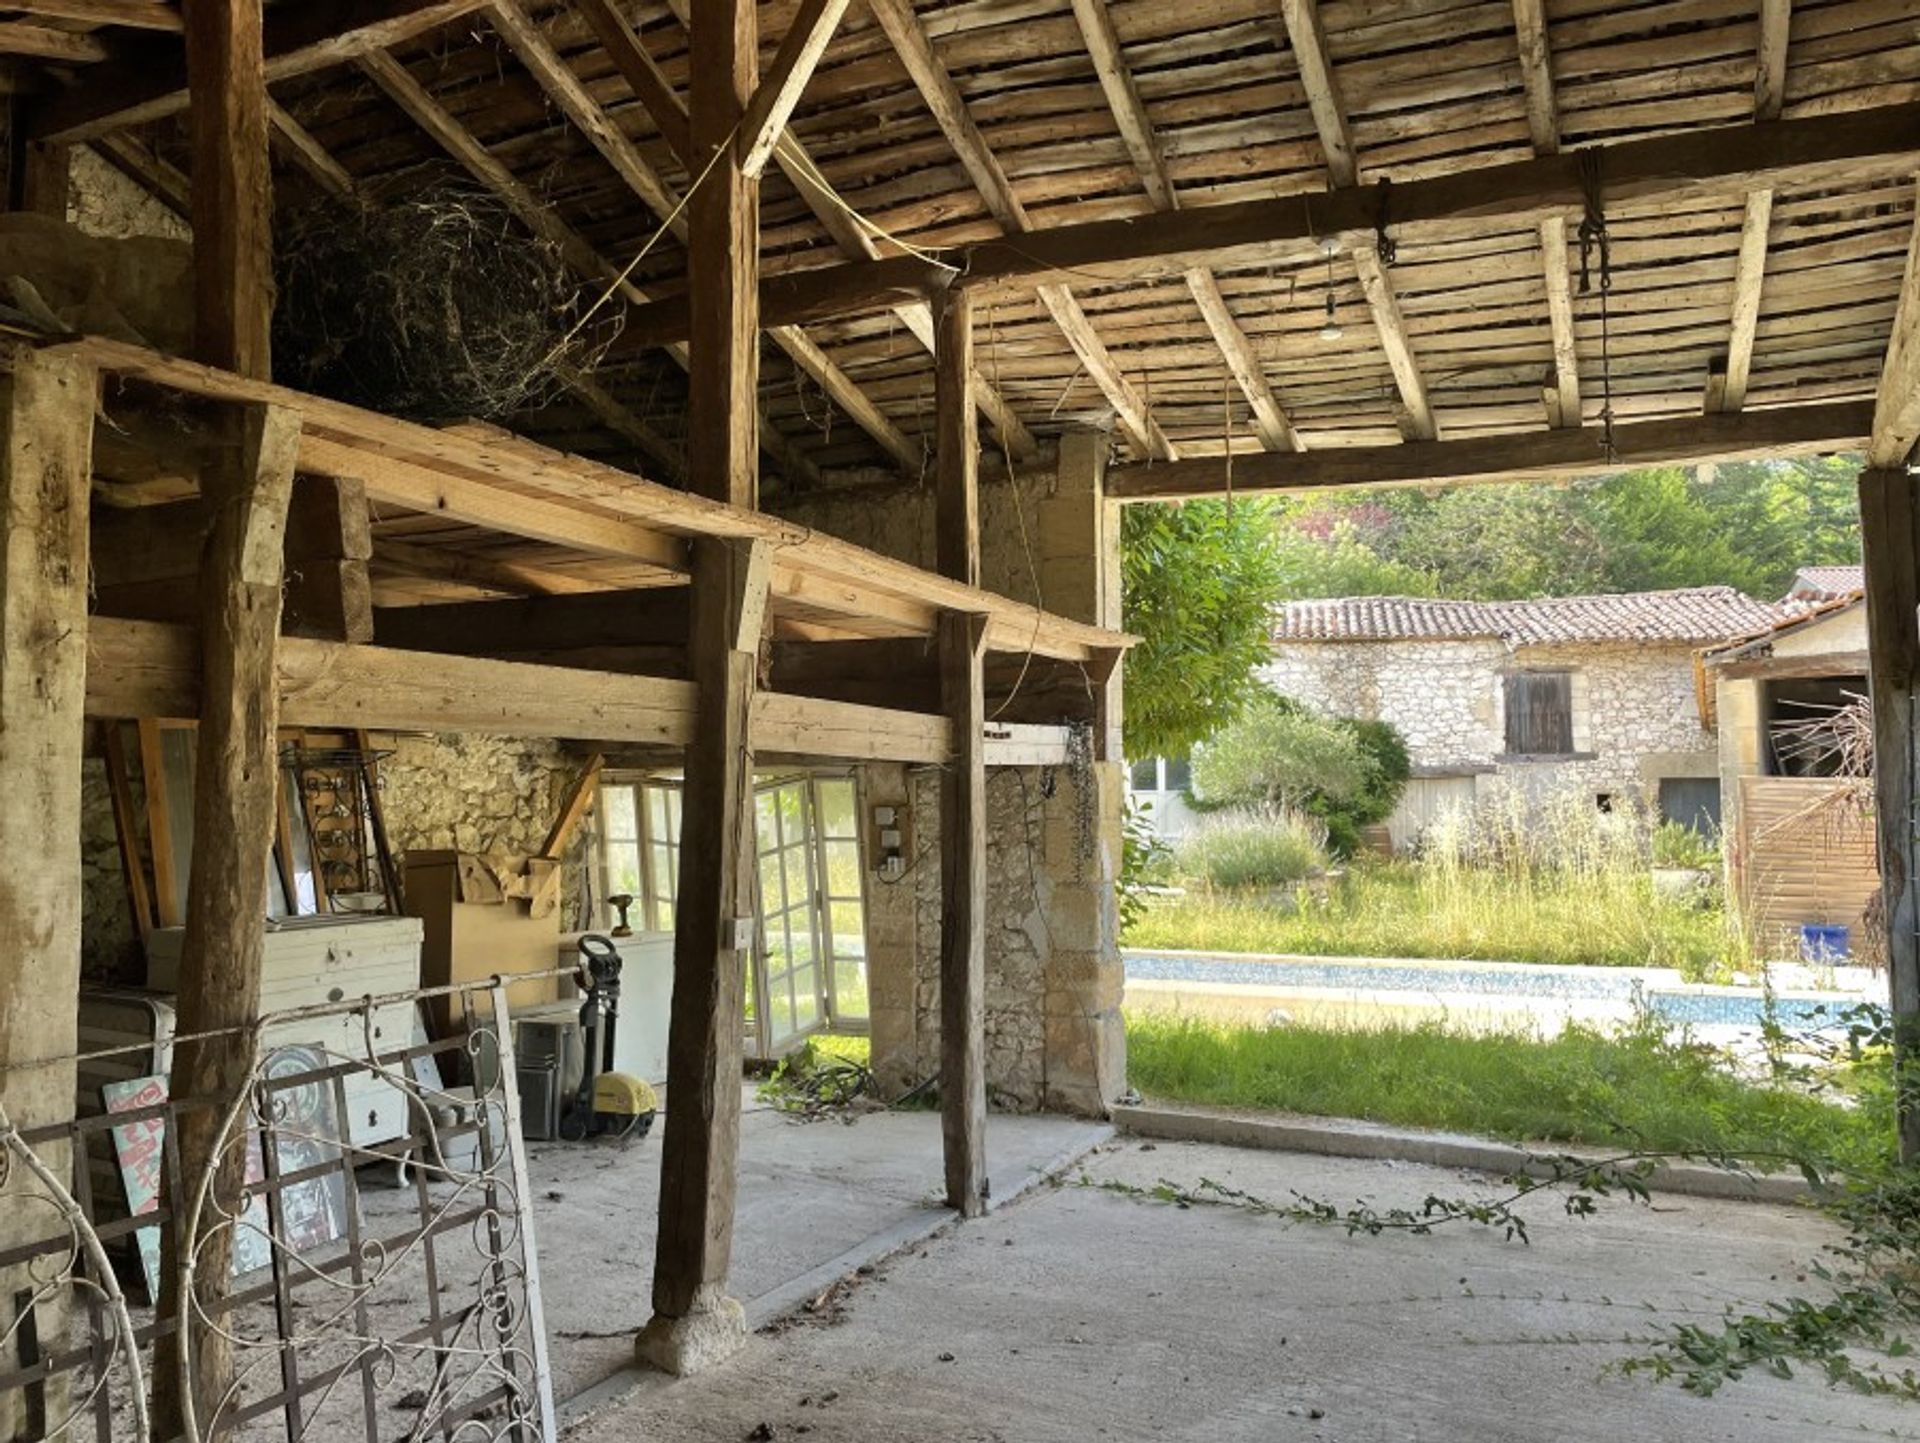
<point>1823,944</point>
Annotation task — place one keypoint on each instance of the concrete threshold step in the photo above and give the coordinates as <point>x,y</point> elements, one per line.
<point>1349,1137</point>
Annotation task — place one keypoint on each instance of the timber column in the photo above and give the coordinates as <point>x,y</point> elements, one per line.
<point>694,1322</point>
<point>1890,547</point>
<point>46,409</point>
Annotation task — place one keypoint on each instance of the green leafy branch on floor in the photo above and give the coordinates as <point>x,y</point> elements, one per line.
<point>1589,1178</point>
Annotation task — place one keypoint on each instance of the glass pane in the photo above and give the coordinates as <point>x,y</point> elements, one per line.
<point>1144,776</point>
<point>850,990</point>
<point>799,891</point>
<point>623,869</point>
<point>779,1016</point>
<point>766,809</point>
<point>773,896</point>
<point>849,930</point>
<point>806,1006</point>
<point>837,817</point>
<point>1179,774</point>
<point>617,804</point>
<point>843,868</point>
<point>666,875</point>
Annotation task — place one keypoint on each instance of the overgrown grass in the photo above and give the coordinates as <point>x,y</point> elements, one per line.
<point>1403,910</point>
<point>1267,847</point>
<point>1630,1086</point>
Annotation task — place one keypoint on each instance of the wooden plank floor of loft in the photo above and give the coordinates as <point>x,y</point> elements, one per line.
<point>519,488</point>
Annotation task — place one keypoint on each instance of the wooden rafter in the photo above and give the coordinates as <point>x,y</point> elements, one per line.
<point>1859,148</point>
<point>914,46</point>
<point>299,39</point>
<point>44,42</point>
<point>1562,397</point>
<point>781,87</point>
<point>669,114</point>
<point>1896,408</point>
<point>1136,129</point>
<point>133,14</point>
<point>1309,41</point>
<point>412,98</point>
<point>447,563</point>
<point>1728,391</point>
<point>558,80</point>
<point>1515,456</point>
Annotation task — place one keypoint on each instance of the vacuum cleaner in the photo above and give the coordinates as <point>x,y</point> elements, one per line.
<point>607,1103</point>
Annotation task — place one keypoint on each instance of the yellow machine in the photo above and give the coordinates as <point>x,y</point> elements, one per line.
<point>607,1103</point>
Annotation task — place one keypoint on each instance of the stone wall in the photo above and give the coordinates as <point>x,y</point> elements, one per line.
<point>1635,714</point>
<point>1053,1029</point>
<point>474,793</point>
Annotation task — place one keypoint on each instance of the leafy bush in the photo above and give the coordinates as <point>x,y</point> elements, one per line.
<point>1200,582</point>
<point>1678,845</point>
<point>1254,848</point>
<point>1347,773</point>
<point>1144,861</point>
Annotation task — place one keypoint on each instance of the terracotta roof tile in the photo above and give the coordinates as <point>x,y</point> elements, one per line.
<point>1697,614</point>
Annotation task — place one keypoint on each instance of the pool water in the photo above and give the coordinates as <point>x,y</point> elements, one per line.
<point>1719,1007</point>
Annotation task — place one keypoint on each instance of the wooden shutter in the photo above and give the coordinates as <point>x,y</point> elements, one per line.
<point>1540,713</point>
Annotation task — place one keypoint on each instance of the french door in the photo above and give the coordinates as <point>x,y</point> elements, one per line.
<point>809,970</point>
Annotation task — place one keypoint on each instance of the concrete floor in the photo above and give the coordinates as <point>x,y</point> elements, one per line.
<point>809,1193</point>
<point>1076,1314</point>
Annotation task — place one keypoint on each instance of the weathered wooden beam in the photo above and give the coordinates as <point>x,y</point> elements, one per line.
<point>1416,410</point>
<point>1770,75</point>
<point>46,431</point>
<point>1728,391</point>
<point>1143,146</point>
<point>786,80</point>
<point>448,563</point>
<point>558,80</point>
<point>1839,150</point>
<point>653,617</point>
<point>232,188</point>
<point>1777,668</point>
<point>1309,41</point>
<point>298,40</point>
<point>1896,409</point>
<point>963,918</point>
<point>43,42</point>
<point>694,1322</point>
<point>1565,409</point>
<point>1890,548</point>
<point>133,14</point>
<point>956,443</point>
<point>1536,74</point>
<point>942,97</point>
<point>644,77</point>
<point>1785,431</point>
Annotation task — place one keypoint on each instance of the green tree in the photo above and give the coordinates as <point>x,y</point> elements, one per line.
<point>1200,584</point>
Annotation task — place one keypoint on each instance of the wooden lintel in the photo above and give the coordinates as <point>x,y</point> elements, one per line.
<point>1778,668</point>
<point>1785,431</point>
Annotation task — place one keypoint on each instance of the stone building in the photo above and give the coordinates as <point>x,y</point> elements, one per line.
<point>1591,693</point>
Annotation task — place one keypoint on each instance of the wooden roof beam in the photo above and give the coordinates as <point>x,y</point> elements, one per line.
<point>853,242</point>
<point>559,82</point>
<point>1896,408</point>
<point>929,74</point>
<point>780,88</point>
<point>299,39</point>
<point>1728,391</point>
<point>1136,129</point>
<point>448,563</point>
<point>1522,456</point>
<point>1309,41</point>
<point>44,42</point>
<point>132,14</point>
<point>412,98</point>
<point>1562,397</point>
<point>1856,148</point>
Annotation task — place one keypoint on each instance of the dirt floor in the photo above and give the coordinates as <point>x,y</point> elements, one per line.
<point>1078,1314</point>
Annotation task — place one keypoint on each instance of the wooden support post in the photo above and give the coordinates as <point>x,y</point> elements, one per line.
<point>46,437</point>
<point>1890,546</point>
<point>247,484</point>
<point>695,1323</point>
<point>329,542</point>
<point>963,915</point>
<point>956,441</point>
<point>234,824</point>
<point>723,262</point>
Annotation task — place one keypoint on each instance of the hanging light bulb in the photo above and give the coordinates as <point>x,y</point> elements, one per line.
<point>1331,330</point>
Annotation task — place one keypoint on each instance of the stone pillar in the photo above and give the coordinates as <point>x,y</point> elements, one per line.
<point>892,941</point>
<point>1086,1041</point>
<point>1079,533</point>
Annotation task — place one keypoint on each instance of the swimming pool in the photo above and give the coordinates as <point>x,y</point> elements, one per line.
<point>1682,1005</point>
